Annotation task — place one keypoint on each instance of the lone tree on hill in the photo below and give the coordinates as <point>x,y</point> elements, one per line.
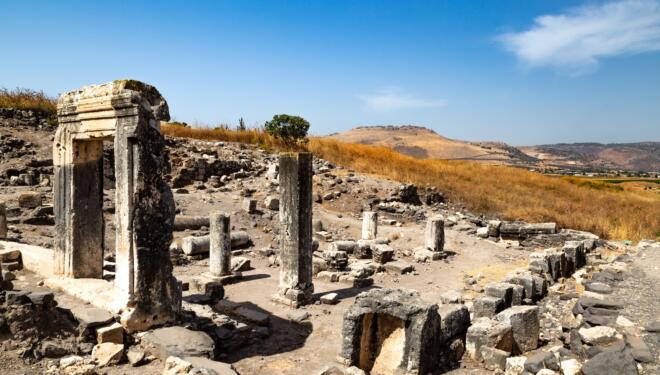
<point>288,128</point>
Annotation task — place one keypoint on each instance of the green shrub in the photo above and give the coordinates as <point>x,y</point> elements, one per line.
<point>288,128</point>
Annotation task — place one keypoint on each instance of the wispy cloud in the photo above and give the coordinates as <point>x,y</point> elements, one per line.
<point>577,39</point>
<point>393,99</point>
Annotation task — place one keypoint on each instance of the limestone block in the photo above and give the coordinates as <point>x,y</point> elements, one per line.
<point>30,200</point>
<point>487,306</point>
<point>501,290</point>
<point>113,333</point>
<point>524,322</point>
<point>488,332</point>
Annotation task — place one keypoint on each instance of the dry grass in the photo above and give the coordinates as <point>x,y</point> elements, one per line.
<point>27,99</point>
<point>510,193</point>
<point>250,136</point>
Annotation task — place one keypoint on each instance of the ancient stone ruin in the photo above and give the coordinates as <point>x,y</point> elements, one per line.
<point>296,285</point>
<point>127,113</point>
<point>391,331</point>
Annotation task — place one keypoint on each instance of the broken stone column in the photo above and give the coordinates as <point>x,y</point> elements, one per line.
<point>435,234</point>
<point>3,220</point>
<point>370,225</point>
<point>220,249</point>
<point>127,113</point>
<point>295,173</point>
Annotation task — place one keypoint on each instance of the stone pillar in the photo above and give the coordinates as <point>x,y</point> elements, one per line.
<point>220,245</point>
<point>3,220</point>
<point>369,225</point>
<point>128,113</point>
<point>295,174</point>
<point>78,205</point>
<point>434,238</point>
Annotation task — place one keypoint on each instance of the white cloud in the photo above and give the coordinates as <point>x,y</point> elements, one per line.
<point>577,39</point>
<point>393,99</point>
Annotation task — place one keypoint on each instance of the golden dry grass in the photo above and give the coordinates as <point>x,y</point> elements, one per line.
<point>510,193</point>
<point>27,99</point>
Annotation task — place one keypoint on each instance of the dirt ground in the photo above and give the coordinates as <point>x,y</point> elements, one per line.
<point>302,348</point>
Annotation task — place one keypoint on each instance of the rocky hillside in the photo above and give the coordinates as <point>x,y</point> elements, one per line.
<point>642,156</point>
<point>424,143</point>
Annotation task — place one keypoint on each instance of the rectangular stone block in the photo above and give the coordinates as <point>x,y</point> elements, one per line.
<point>525,326</point>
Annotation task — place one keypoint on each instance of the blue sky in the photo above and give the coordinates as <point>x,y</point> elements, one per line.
<point>523,72</point>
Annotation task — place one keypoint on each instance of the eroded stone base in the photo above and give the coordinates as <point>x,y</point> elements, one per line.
<point>293,297</point>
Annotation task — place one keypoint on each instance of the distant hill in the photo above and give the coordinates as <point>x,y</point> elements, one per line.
<point>642,156</point>
<point>424,143</point>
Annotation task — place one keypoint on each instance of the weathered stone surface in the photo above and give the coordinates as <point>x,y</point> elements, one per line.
<point>129,113</point>
<point>219,244</point>
<point>638,348</point>
<point>494,359</point>
<point>252,315</point>
<point>454,321</point>
<point>598,335</point>
<point>370,225</point>
<point>524,322</point>
<point>272,203</point>
<point>399,267</point>
<point>611,362</point>
<point>494,228</point>
<point>298,316</point>
<point>541,360</point>
<point>346,246</point>
<point>30,200</point>
<point>183,222</point>
<point>92,316</point>
<point>397,326</point>
<point>501,290</point>
<point>180,342</point>
<point>3,220</point>
<point>108,353</point>
<point>219,368</point>
<point>382,253</point>
<point>249,205</point>
<point>330,298</point>
<point>515,365</point>
<point>575,254</point>
<point>295,285</point>
<point>434,235</point>
<point>113,333</point>
<point>487,306</point>
<point>488,332</point>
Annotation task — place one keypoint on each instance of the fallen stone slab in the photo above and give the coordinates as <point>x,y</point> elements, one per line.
<point>501,290</point>
<point>598,335</point>
<point>611,362</point>
<point>488,332</point>
<point>524,322</point>
<point>399,267</point>
<point>638,348</point>
<point>597,287</point>
<point>487,306</point>
<point>220,368</point>
<point>382,253</point>
<point>179,342</point>
<point>252,315</point>
<point>91,317</point>
<point>114,333</point>
<point>240,264</point>
<point>542,360</point>
<point>30,200</point>
<point>330,298</point>
<point>108,353</point>
<point>297,316</point>
<point>494,359</point>
<point>605,303</point>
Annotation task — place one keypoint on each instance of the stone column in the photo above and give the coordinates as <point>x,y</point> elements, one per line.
<point>434,238</point>
<point>369,225</point>
<point>220,245</point>
<point>78,204</point>
<point>3,220</point>
<point>296,285</point>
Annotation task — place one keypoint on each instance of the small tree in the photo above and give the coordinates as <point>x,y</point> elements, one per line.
<point>289,128</point>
